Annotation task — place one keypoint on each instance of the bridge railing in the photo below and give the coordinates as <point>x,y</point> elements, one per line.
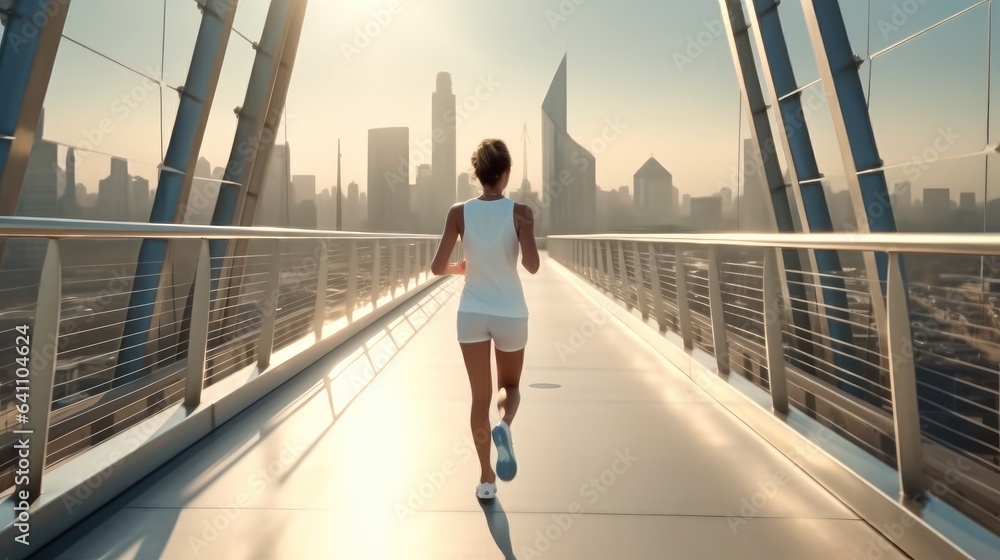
<point>911,375</point>
<point>66,287</point>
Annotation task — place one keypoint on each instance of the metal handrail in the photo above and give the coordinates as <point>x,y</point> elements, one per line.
<point>976,244</point>
<point>414,250</point>
<point>629,267</point>
<point>60,228</point>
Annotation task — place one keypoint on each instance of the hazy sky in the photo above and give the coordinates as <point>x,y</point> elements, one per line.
<point>660,69</point>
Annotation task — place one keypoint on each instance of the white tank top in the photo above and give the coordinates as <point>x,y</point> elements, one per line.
<point>492,284</point>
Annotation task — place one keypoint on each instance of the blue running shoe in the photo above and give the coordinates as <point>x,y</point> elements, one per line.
<point>506,464</point>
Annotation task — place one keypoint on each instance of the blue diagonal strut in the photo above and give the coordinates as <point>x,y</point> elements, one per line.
<point>813,197</point>
<point>174,181</point>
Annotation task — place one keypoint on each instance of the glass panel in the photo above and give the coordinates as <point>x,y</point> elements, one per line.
<point>917,110</point>
<point>183,18</point>
<point>229,95</point>
<point>944,196</point>
<point>250,18</point>
<point>130,33</point>
<point>891,21</point>
<point>96,105</point>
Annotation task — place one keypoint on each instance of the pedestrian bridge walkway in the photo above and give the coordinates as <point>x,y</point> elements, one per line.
<point>367,454</point>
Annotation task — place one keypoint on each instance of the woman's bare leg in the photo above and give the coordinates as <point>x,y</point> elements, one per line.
<point>477,363</point>
<point>509,365</point>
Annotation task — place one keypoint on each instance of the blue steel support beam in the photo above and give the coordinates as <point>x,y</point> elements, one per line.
<point>862,164</point>
<point>806,177</point>
<point>27,53</point>
<point>270,120</point>
<point>769,168</point>
<point>838,68</point>
<point>175,181</point>
<point>247,143</point>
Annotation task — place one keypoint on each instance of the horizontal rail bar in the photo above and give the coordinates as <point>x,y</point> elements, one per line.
<point>58,228</point>
<point>975,244</point>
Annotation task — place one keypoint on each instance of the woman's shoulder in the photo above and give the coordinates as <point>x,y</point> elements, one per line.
<point>523,210</point>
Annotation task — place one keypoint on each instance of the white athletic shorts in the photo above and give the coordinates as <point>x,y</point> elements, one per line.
<point>509,334</point>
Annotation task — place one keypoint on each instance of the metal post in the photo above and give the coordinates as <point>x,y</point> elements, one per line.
<point>772,332</point>
<point>427,261</point>
<point>903,383</point>
<point>683,309</point>
<point>406,265</point>
<point>717,311</point>
<point>393,267</point>
<point>609,276</point>
<point>599,264</point>
<point>43,341</point>
<point>623,274</point>
<point>640,281</point>
<point>656,288</point>
<point>376,266</point>
<point>319,317</point>
<point>352,281</point>
<point>198,334</point>
<point>269,308</point>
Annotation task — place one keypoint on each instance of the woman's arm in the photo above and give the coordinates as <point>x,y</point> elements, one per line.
<point>524,222</point>
<point>440,265</point>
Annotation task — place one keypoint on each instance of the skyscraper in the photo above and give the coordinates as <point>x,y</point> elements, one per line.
<point>69,204</point>
<point>443,152</point>
<point>388,179</point>
<point>655,198</point>
<point>140,204</point>
<point>706,212</point>
<point>352,208</point>
<point>113,192</point>
<point>272,201</point>
<point>569,171</point>
<point>425,198</point>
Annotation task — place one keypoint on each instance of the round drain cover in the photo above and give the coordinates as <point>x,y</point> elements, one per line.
<point>545,385</point>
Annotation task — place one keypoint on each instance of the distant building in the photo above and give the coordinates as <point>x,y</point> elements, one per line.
<point>388,180</point>
<point>655,200</point>
<point>140,203</point>
<point>425,199</point>
<point>967,201</point>
<point>273,200</point>
<point>463,189</point>
<point>444,150</point>
<point>706,213</point>
<point>113,192</point>
<point>69,202</point>
<point>569,171</point>
<point>686,205</point>
<point>304,207</point>
<point>353,216</point>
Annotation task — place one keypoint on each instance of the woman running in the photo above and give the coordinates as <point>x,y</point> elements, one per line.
<point>492,308</point>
